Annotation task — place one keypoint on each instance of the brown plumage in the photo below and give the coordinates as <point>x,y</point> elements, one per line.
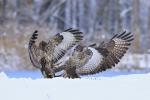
<point>54,49</point>
<point>47,72</point>
<point>80,56</point>
<point>111,53</point>
<point>35,52</point>
<point>97,58</point>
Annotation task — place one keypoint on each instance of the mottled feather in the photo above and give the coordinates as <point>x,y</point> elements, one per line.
<point>54,50</point>
<point>111,53</point>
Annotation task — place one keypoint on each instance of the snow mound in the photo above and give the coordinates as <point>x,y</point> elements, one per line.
<point>3,75</point>
<point>125,87</point>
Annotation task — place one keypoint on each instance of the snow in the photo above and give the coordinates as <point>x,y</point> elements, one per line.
<point>3,75</point>
<point>124,87</point>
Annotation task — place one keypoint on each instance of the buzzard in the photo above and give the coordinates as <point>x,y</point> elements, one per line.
<point>46,54</point>
<point>87,60</point>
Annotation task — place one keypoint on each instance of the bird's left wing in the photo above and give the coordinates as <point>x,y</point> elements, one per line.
<point>111,53</point>
<point>66,40</point>
<point>34,52</point>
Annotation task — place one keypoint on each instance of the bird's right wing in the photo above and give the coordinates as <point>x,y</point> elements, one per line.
<point>116,48</point>
<point>34,52</point>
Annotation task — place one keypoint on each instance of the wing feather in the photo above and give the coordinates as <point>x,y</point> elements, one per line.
<point>91,64</point>
<point>32,48</point>
<point>70,38</point>
<point>116,47</point>
<point>114,50</point>
<point>34,51</point>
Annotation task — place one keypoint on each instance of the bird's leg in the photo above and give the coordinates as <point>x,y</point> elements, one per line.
<point>46,70</point>
<point>49,70</point>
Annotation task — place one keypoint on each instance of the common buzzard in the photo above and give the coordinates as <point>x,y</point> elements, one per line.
<point>48,53</point>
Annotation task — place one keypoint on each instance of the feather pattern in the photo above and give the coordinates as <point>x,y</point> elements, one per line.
<point>92,63</point>
<point>108,54</point>
<point>34,51</point>
<point>55,49</point>
<point>70,38</point>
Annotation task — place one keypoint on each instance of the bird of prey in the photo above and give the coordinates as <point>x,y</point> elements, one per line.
<point>46,54</point>
<point>87,60</point>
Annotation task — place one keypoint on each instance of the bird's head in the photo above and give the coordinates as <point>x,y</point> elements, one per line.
<point>87,52</point>
<point>78,50</point>
<point>81,52</point>
<point>57,39</point>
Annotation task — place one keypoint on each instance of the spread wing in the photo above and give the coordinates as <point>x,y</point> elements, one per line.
<point>111,53</point>
<point>34,52</point>
<point>65,40</point>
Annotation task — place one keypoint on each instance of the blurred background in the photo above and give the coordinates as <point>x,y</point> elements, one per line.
<point>98,19</point>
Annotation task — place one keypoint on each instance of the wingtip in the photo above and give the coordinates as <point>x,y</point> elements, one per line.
<point>68,29</point>
<point>121,34</point>
<point>36,31</point>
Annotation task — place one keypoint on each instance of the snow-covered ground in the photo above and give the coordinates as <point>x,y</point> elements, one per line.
<point>123,87</point>
<point>37,74</point>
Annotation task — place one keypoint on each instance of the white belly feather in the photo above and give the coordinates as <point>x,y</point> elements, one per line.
<point>94,61</point>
